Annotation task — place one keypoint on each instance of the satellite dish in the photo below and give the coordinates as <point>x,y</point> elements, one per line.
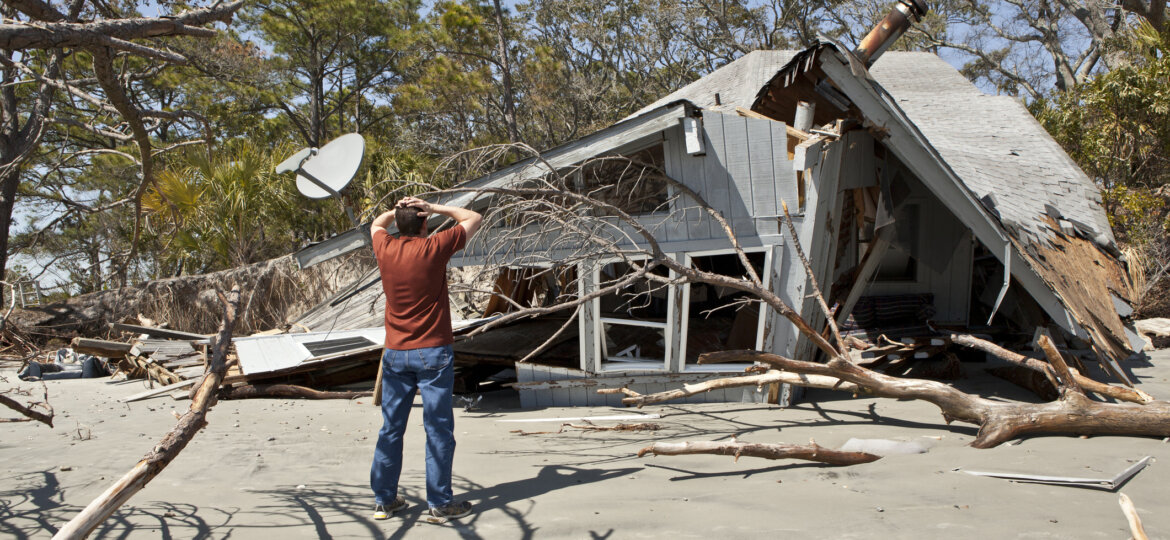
<point>325,172</point>
<point>328,171</point>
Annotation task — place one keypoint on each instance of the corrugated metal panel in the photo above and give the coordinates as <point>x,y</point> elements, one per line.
<point>261,354</point>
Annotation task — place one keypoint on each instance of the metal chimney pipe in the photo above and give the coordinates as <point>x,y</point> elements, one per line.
<point>804,115</point>
<point>889,30</point>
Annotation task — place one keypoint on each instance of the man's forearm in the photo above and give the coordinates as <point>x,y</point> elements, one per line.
<point>469,219</point>
<point>454,212</point>
<point>384,219</point>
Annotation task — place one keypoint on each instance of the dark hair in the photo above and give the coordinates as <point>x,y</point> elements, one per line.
<point>408,220</point>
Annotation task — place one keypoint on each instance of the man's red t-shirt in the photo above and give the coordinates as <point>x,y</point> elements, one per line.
<point>414,278</point>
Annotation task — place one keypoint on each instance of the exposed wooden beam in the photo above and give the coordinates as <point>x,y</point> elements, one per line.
<point>151,331</point>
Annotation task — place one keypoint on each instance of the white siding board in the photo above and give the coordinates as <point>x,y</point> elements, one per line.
<point>577,397</point>
<point>717,191</point>
<point>761,159</point>
<point>767,226</point>
<point>586,318</point>
<point>736,160</point>
<point>858,168</point>
<point>694,177</point>
<point>673,148</point>
<point>783,170</point>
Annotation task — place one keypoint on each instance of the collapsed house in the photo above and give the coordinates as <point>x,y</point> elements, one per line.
<point>920,201</point>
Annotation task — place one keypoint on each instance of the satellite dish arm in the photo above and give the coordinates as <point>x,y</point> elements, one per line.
<point>294,162</point>
<point>317,182</point>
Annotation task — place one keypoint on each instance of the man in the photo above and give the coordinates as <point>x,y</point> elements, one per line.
<point>418,355</point>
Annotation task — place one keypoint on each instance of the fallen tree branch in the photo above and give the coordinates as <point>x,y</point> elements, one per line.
<point>28,411</point>
<point>998,421</point>
<point>590,426</point>
<point>168,449</point>
<point>1119,393</point>
<point>807,452</point>
<point>769,377</point>
<point>285,390</point>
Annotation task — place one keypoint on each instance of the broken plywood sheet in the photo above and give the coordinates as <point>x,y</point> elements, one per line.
<point>1086,279</point>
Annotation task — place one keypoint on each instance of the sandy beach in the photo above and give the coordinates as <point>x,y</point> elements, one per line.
<point>299,469</point>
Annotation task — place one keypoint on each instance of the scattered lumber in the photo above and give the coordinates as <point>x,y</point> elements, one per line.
<point>154,371</point>
<point>807,452</point>
<point>172,444</point>
<point>164,333</point>
<point>158,391</point>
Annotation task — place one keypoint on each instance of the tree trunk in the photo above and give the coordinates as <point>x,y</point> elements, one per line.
<point>1107,390</point>
<point>9,181</point>
<point>506,76</point>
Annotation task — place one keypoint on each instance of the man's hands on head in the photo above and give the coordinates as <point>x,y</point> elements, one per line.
<point>468,219</point>
<point>423,207</point>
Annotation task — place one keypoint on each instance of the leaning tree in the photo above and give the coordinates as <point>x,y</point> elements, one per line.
<point>75,69</point>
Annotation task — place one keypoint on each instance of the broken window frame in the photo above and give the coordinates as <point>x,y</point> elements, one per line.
<point>684,326</point>
<point>603,364</point>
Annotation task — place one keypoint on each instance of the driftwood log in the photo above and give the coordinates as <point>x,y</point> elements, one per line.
<point>807,452</point>
<point>100,347</point>
<point>168,449</point>
<point>286,391</point>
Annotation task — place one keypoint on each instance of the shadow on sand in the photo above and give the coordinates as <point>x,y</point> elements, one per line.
<point>328,508</point>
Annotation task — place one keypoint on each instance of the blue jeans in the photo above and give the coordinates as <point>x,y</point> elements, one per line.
<point>430,371</point>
